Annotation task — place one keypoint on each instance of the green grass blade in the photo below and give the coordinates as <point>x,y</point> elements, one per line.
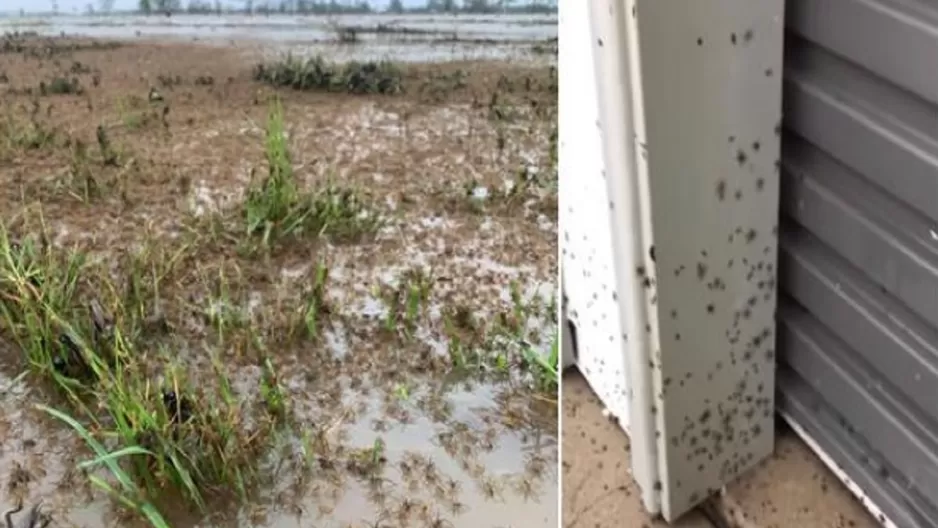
<point>108,457</point>
<point>110,461</point>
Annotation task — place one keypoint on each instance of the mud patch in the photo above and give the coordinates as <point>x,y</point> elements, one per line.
<point>393,372</point>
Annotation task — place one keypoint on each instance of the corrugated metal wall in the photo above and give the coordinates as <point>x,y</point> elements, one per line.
<point>858,314</point>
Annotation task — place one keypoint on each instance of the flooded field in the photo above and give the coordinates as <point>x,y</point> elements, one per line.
<point>411,38</point>
<point>241,289</point>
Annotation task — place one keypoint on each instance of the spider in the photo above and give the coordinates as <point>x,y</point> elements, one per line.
<point>437,521</point>
<point>34,519</point>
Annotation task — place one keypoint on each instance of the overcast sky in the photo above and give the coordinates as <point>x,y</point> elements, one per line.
<point>67,6</point>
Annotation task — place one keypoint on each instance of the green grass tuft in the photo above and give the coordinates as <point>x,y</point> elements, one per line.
<point>276,208</point>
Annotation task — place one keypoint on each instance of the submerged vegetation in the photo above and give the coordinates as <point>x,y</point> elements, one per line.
<point>204,354</point>
<point>317,73</point>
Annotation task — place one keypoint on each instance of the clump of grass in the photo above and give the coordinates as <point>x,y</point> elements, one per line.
<point>528,182</point>
<point>525,186</point>
<point>498,111</point>
<point>342,213</point>
<point>169,80</point>
<point>79,68</point>
<point>135,112</point>
<point>135,120</point>
<point>276,207</point>
<point>82,182</point>
<point>369,461</point>
<point>274,204</point>
<point>17,135</point>
<point>319,74</point>
<point>436,87</point>
<point>272,391</point>
<point>30,44</point>
<point>61,86</point>
<point>128,493</point>
<point>108,154</point>
<point>406,301</point>
<point>221,313</point>
<point>544,370</point>
<point>316,306</point>
<point>85,180</point>
<point>503,348</point>
<point>82,333</point>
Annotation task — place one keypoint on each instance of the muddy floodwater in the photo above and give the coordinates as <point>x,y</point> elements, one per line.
<point>242,289</point>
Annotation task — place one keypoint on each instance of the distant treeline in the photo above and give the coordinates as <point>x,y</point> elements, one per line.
<point>337,7</point>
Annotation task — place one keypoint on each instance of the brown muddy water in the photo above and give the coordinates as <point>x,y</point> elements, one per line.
<point>459,451</point>
<point>467,468</point>
<point>453,448</point>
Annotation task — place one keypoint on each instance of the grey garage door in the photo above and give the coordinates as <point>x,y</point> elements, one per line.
<point>858,314</point>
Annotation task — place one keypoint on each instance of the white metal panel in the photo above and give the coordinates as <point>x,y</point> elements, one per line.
<point>587,262</point>
<point>616,91</point>
<point>694,88</point>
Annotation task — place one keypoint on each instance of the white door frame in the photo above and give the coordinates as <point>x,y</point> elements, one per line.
<point>690,99</point>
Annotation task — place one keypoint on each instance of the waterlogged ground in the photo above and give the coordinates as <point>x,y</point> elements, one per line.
<point>399,393</point>
<point>411,37</point>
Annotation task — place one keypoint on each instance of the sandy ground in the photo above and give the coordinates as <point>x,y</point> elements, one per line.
<point>458,450</point>
<point>597,487</point>
<point>790,488</point>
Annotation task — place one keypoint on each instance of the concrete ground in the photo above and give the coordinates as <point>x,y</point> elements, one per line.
<point>790,489</point>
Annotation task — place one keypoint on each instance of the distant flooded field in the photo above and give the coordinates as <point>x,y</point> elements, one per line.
<point>411,38</point>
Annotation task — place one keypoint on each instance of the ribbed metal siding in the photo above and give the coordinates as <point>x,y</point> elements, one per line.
<point>858,313</point>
